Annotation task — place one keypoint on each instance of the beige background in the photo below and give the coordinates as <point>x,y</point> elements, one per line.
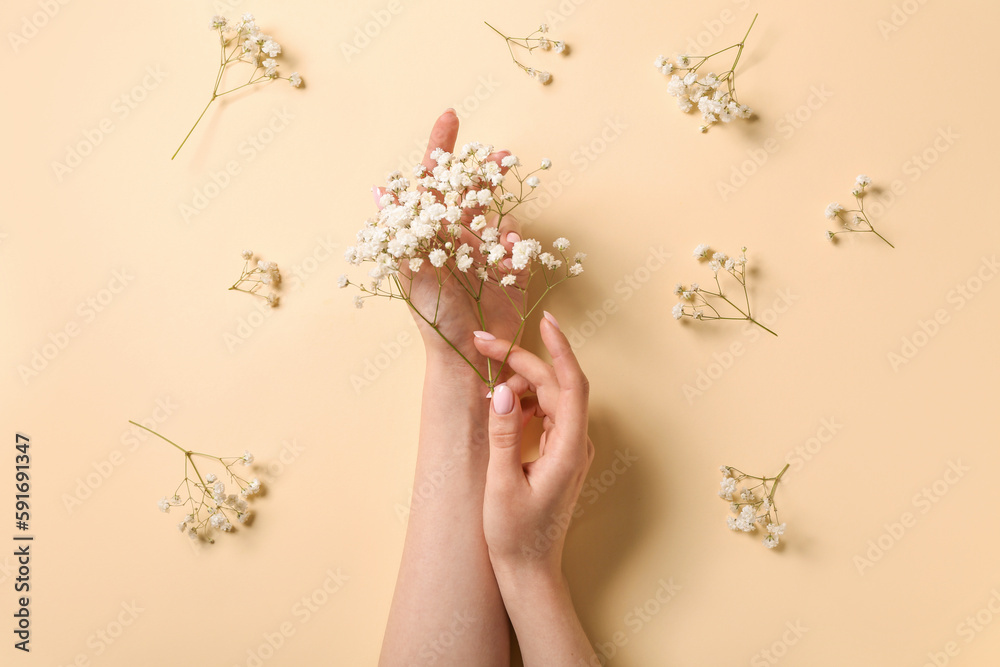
<point>341,456</point>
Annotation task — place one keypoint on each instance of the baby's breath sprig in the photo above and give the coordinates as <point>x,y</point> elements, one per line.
<point>450,219</point>
<point>752,504</point>
<point>249,46</point>
<point>695,299</point>
<point>536,40</point>
<point>207,503</point>
<point>256,275</point>
<point>859,222</point>
<point>714,103</point>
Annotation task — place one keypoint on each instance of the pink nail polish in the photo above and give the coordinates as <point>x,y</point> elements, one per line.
<point>376,196</point>
<point>551,319</point>
<point>512,237</point>
<point>485,335</point>
<point>451,111</point>
<point>503,399</point>
<point>507,264</point>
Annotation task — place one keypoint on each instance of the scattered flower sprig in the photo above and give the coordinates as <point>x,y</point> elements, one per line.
<point>696,301</point>
<point>205,499</point>
<point>536,40</point>
<point>448,222</point>
<point>715,103</point>
<point>753,503</point>
<point>859,222</point>
<point>256,275</point>
<point>242,42</point>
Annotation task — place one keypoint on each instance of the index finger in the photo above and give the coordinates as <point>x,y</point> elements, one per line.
<point>443,136</point>
<point>573,384</point>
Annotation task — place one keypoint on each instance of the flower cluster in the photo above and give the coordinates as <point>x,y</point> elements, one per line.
<point>536,40</point>
<point>859,221</point>
<point>447,222</point>
<point>243,42</point>
<point>753,503</point>
<point>256,275</point>
<point>696,301</point>
<point>715,102</point>
<point>206,503</point>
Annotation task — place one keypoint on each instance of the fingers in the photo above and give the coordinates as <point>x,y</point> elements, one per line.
<point>443,136</point>
<point>536,372</point>
<point>504,470</point>
<point>573,383</point>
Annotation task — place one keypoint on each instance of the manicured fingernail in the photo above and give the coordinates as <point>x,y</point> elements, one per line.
<point>507,264</point>
<point>451,111</point>
<point>512,237</point>
<point>551,319</point>
<point>503,399</point>
<point>375,195</point>
<point>485,335</point>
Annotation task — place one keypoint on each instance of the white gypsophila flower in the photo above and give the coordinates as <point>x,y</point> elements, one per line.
<point>219,23</point>
<point>478,223</point>
<point>163,504</point>
<point>211,478</point>
<point>464,263</point>
<point>561,244</point>
<point>247,457</point>
<point>416,263</point>
<point>575,269</point>
<point>247,254</point>
<point>701,251</point>
<point>342,281</point>
<point>437,257</point>
<point>731,522</point>
<point>532,181</point>
<point>829,236</point>
<point>546,163</point>
<point>219,488</point>
<point>726,471</point>
<point>359,302</point>
<point>508,280</point>
<point>559,46</point>
<point>543,77</point>
<point>862,181</point>
<point>510,161</point>
<point>727,487</point>
<point>776,529</point>
<point>496,253</point>
<point>295,80</point>
<point>833,209</point>
<point>771,541</point>
<point>678,311</point>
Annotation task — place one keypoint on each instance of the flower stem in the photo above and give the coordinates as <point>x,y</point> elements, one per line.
<point>761,326</point>
<point>186,452</point>
<point>192,130</point>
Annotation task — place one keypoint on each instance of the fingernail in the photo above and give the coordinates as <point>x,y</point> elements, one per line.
<point>451,111</point>
<point>551,319</point>
<point>485,335</point>
<point>503,399</point>
<point>507,263</point>
<point>512,237</point>
<point>375,195</point>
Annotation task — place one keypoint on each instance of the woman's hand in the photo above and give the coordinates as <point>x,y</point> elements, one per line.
<point>527,507</point>
<point>440,305</point>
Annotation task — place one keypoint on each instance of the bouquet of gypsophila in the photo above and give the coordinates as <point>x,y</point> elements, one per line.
<point>447,222</point>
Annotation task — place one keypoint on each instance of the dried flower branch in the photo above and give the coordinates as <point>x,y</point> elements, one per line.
<point>249,46</point>
<point>695,299</point>
<point>752,504</point>
<point>256,275</point>
<point>448,222</point>
<point>208,504</point>
<point>536,40</point>
<point>859,222</point>
<point>714,103</point>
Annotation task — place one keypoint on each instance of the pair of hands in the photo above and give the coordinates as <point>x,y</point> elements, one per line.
<point>527,507</point>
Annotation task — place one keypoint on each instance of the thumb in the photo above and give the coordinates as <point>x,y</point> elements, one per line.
<point>505,437</point>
